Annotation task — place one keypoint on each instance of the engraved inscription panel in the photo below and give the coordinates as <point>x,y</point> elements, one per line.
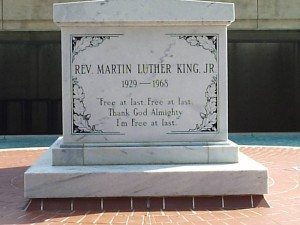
<point>144,89</point>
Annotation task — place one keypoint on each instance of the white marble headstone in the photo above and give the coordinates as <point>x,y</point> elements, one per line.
<point>140,76</point>
<point>152,72</point>
<point>144,82</point>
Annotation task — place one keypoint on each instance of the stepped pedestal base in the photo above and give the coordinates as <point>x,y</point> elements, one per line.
<point>246,177</point>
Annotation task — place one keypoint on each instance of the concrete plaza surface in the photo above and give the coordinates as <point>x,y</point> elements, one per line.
<point>280,206</point>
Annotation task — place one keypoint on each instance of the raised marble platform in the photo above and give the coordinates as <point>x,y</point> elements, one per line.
<point>95,154</point>
<point>43,180</point>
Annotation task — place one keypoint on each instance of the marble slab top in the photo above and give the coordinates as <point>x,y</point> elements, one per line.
<point>158,12</point>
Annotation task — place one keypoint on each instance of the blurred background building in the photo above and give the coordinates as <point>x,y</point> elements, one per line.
<point>264,67</point>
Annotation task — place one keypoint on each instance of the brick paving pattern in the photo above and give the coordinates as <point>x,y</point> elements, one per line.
<point>280,206</point>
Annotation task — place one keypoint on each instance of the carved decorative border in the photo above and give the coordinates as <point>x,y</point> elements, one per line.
<point>79,44</point>
<point>206,42</point>
<point>209,117</point>
<point>80,117</point>
<point>81,124</point>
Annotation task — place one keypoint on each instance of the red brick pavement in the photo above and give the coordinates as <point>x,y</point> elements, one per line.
<point>283,199</point>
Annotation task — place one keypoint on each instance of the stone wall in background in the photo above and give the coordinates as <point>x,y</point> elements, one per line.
<point>263,87</point>
<point>30,87</point>
<point>36,15</point>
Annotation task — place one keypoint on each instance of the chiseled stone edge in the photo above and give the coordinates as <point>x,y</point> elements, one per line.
<point>147,11</point>
<point>244,178</point>
<point>93,154</point>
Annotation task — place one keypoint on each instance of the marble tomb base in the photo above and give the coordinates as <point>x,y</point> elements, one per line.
<point>95,154</point>
<point>43,180</point>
